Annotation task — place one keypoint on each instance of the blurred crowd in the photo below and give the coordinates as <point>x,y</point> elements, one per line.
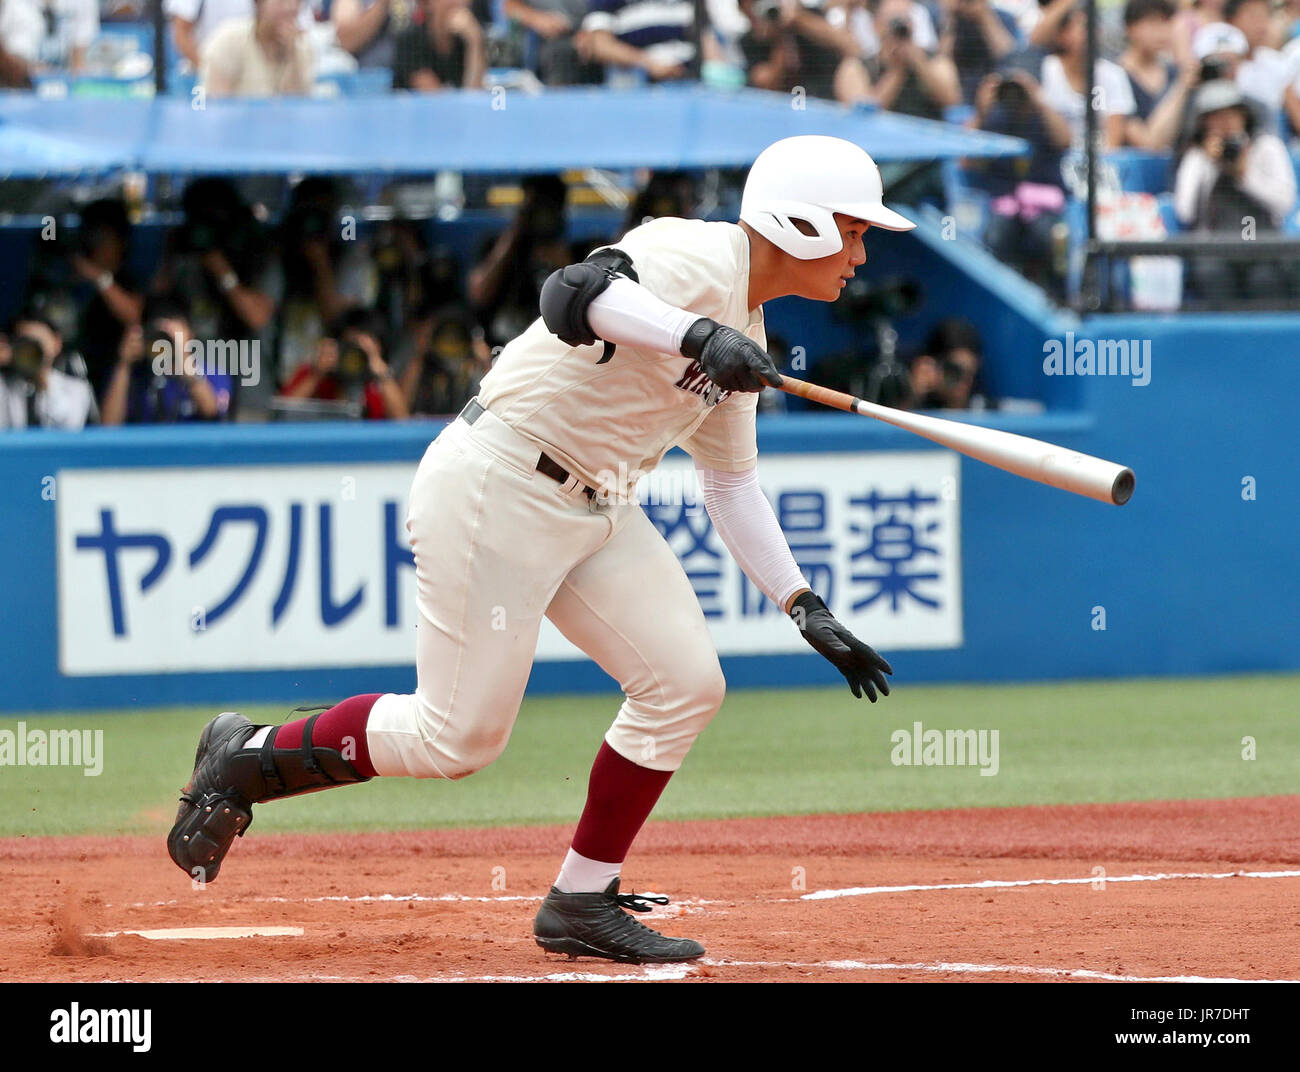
<point>1213,82</point>
<point>389,326</point>
<point>305,319</point>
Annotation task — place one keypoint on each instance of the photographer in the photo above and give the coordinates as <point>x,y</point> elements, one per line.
<point>505,287</point>
<point>217,258</point>
<point>1027,200</point>
<point>791,43</point>
<point>947,374</point>
<point>449,358</point>
<point>318,275</point>
<point>349,365</point>
<point>1232,177</point>
<point>160,377</point>
<point>977,37</point>
<point>33,393</point>
<point>905,77</point>
<point>115,302</point>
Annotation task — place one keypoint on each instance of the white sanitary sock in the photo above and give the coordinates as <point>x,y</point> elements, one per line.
<point>580,875</point>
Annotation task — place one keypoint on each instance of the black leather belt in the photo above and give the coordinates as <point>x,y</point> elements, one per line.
<point>546,465</point>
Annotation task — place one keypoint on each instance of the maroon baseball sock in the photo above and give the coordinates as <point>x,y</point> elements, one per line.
<point>620,796</point>
<point>342,727</point>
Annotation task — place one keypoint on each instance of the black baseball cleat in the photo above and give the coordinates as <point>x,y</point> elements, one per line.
<point>228,779</point>
<point>595,925</point>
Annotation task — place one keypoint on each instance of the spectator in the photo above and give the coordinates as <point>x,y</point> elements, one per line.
<point>1230,178</point>
<point>1285,23</point>
<point>1218,50</point>
<point>265,56</point>
<point>1148,28</point>
<point>45,35</point>
<point>1027,200</point>
<point>217,258</point>
<point>666,193</point>
<point>905,77</point>
<point>506,285</point>
<point>445,49</point>
<point>655,36</point>
<point>350,365</point>
<point>1191,19</point>
<point>369,29</point>
<point>564,48</point>
<point>164,375</point>
<point>448,360</point>
<point>977,37</point>
<point>1065,81</point>
<point>1160,89</point>
<point>33,392</point>
<point>21,26</point>
<point>410,277</point>
<point>318,275</point>
<point>859,19</point>
<point>947,374</point>
<point>116,302</point>
<point>790,43</point>
<point>1265,75</point>
<point>194,22</point>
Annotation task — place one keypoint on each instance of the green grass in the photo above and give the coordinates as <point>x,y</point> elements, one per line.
<point>767,753</point>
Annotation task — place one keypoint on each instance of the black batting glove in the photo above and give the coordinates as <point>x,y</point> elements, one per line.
<point>862,668</point>
<point>729,358</point>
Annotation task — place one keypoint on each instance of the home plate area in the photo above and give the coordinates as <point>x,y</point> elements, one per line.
<point>1094,893</point>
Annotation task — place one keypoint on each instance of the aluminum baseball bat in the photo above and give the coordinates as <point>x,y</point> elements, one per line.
<point>1031,458</point>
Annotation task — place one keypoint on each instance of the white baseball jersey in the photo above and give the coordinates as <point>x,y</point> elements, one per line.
<point>620,417</point>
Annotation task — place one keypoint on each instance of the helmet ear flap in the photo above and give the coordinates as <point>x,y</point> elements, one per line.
<point>802,230</point>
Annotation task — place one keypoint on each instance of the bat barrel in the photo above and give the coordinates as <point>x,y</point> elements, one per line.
<point>1122,489</point>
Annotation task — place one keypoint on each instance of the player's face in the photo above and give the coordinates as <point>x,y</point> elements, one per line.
<point>823,279</point>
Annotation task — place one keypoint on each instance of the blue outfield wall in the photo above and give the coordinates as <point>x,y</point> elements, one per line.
<point>1193,577</point>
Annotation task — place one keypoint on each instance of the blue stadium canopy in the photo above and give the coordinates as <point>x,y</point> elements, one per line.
<point>486,131</point>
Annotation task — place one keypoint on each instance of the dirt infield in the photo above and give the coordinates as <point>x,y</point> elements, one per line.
<point>1188,889</point>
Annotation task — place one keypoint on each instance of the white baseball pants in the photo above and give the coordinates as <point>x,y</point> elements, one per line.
<point>497,546</point>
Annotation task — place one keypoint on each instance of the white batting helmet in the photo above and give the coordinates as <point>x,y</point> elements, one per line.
<point>811,177</point>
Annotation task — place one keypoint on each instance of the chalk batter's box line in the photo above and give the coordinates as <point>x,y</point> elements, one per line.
<point>1001,884</point>
<point>818,895</point>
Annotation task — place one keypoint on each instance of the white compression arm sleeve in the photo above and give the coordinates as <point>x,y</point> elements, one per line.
<point>625,312</point>
<point>744,519</point>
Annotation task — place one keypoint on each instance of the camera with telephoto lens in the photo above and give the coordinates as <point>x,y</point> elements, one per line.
<point>954,372</point>
<point>901,29</point>
<point>881,300</point>
<point>309,222</point>
<point>1233,146</point>
<point>27,356</point>
<point>158,342</point>
<point>1214,69</point>
<point>353,369</point>
<point>1011,94</point>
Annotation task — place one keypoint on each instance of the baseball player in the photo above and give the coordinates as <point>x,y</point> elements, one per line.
<point>524,507</point>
